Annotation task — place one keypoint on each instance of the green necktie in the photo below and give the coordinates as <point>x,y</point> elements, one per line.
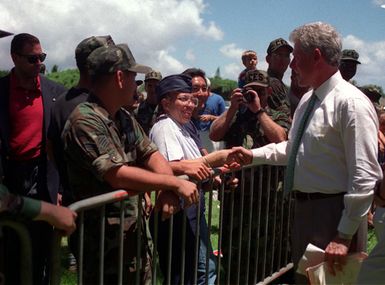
<point>289,175</point>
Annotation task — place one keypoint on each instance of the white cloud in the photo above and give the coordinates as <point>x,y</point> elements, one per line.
<point>231,51</point>
<point>231,71</point>
<point>149,27</point>
<point>372,58</point>
<point>190,55</point>
<point>380,3</point>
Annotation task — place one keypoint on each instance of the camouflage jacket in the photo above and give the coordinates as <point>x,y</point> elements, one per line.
<point>94,143</point>
<point>245,129</point>
<point>146,115</point>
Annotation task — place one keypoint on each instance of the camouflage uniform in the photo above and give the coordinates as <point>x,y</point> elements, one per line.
<point>146,115</point>
<point>245,130</point>
<point>94,144</point>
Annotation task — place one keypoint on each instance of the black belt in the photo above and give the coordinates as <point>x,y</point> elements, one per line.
<point>315,196</point>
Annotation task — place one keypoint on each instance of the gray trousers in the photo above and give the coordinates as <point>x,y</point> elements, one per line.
<point>316,222</point>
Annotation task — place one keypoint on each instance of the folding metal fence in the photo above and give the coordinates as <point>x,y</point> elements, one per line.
<point>257,206</point>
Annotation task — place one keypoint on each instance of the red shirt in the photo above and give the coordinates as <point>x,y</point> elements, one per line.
<point>26,120</point>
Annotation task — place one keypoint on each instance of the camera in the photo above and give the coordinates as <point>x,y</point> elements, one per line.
<point>248,96</point>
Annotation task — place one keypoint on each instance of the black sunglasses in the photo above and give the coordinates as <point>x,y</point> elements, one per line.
<point>33,58</point>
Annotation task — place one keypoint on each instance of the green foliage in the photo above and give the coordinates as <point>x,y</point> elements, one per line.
<point>68,77</point>
<point>3,73</point>
<point>55,68</point>
<point>223,86</point>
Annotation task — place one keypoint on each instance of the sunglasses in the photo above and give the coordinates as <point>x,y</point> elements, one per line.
<point>34,58</point>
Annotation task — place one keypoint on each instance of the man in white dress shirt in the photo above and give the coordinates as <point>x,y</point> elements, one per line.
<point>335,164</point>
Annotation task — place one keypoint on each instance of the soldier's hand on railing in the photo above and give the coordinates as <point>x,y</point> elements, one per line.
<point>60,217</point>
<point>167,202</point>
<point>188,191</point>
<point>148,204</point>
<point>240,155</point>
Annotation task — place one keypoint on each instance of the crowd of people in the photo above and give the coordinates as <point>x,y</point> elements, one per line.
<point>60,146</point>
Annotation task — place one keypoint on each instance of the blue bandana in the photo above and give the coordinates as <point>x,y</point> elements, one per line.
<point>177,82</point>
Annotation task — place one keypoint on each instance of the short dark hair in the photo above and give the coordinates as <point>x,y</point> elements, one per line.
<point>20,40</point>
<point>193,72</point>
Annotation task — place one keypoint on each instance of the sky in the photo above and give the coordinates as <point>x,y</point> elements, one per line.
<point>172,35</point>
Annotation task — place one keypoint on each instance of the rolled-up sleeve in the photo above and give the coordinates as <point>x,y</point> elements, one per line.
<point>89,143</point>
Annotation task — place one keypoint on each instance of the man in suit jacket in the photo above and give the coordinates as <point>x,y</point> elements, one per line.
<point>26,98</point>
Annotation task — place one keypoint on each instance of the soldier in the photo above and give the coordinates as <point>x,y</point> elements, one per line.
<point>106,149</point>
<point>249,122</point>
<point>67,102</point>
<point>348,63</point>
<point>147,110</point>
<point>278,58</point>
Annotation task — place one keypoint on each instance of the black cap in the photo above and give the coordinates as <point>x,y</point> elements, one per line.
<point>276,44</point>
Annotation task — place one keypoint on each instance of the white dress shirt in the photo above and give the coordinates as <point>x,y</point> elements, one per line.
<point>338,151</point>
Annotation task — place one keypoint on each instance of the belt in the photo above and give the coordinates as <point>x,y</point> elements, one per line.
<point>314,196</point>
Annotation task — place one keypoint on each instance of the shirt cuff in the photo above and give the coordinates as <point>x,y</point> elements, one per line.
<point>347,226</point>
<point>31,208</point>
<point>258,156</point>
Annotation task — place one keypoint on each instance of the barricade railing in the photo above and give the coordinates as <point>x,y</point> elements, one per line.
<point>25,260</point>
<point>252,231</point>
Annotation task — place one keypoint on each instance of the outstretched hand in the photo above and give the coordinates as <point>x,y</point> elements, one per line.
<point>239,155</point>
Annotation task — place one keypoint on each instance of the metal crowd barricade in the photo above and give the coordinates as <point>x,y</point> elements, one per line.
<point>261,204</point>
<point>25,249</point>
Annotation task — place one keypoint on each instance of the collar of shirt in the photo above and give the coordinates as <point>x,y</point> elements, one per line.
<point>16,87</point>
<point>327,86</point>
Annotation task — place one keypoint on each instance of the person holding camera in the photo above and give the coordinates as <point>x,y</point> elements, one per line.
<point>252,120</point>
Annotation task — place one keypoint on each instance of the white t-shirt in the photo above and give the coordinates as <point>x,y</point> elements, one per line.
<point>173,140</point>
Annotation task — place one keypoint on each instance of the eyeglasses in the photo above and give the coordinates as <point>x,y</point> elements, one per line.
<point>186,99</point>
<point>196,88</point>
<point>34,58</point>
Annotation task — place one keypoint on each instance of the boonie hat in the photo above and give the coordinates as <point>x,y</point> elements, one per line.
<point>177,82</point>
<point>276,44</point>
<point>88,45</point>
<point>350,54</point>
<point>372,92</point>
<point>257,78</point>
<point>156,75</point>
<point>109,59</point>
<point>4,34</point>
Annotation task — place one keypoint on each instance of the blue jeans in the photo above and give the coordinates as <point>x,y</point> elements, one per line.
<point>201,274</point>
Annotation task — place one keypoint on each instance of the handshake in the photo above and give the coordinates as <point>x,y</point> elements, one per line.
<point>238,156</point>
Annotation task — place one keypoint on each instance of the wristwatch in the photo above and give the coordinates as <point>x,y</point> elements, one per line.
<point>262,110</point>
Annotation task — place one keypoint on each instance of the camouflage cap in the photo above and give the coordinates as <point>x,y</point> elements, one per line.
<point>276,44</point>
<point>86,46</point>
<point>4,34</point>
<point>156,75</point>
<point>350,54</point>
<point>372,92</point>
<point>257,78</point>
<point>109,59</point>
